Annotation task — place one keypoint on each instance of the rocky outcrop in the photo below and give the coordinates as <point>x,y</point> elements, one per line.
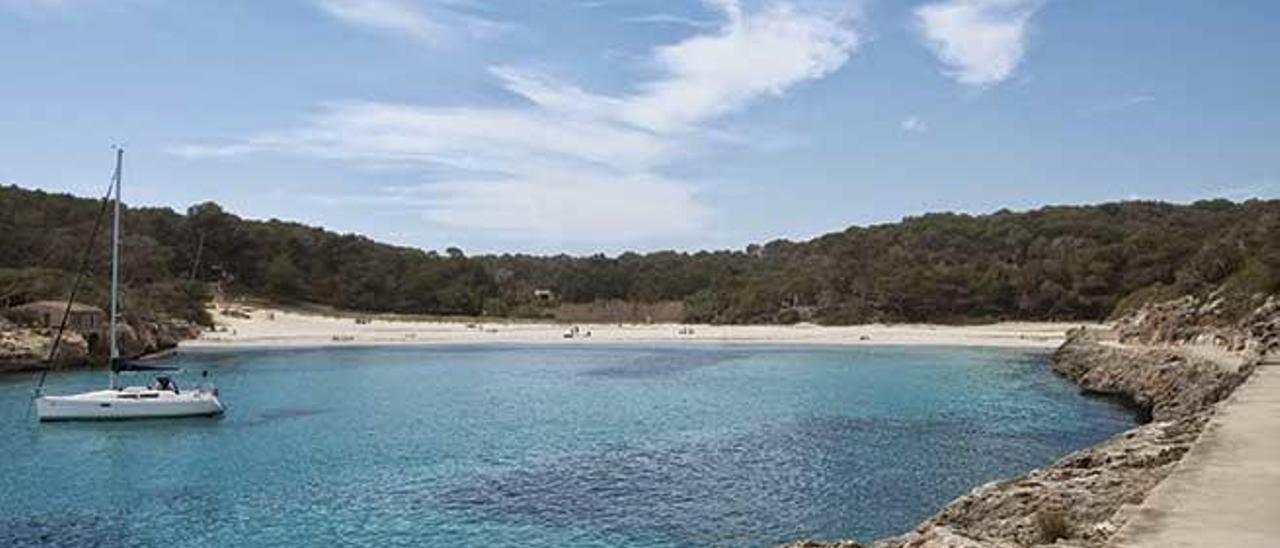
<point>23,349</point>
<point>1085,492</point>
<point>150,336</point>
<point>1262,327</point>
<point>819,544</point>
<point>1084,498</point>
<point>1165,383</point>
<point>1208,320</point>
<point>27,348</point>
<point>1185,320</point>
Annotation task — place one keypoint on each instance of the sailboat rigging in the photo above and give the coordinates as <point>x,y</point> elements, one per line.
<point>160,400</point>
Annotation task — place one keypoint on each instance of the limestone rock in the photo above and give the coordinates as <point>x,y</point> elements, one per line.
<point>809,543</point>
<point>1170,384</point>
<point>1089,492</point>
<point>24,348</point>
<point>940,537</point>
<point>1086,488</point>
<point>1204,320</point>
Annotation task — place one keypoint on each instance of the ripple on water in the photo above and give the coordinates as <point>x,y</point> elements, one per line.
<point>285,413</point>
<point>544,446</point>
<point>772,485</point>
<point>70,530</point>
<point>663,362</point>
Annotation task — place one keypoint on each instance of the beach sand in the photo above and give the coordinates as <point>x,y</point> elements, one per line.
<point>277,328</point>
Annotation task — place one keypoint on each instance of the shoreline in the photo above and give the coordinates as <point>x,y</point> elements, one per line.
<point>270,328</point>
<point>1089,497</point>
<point>1175,390</point>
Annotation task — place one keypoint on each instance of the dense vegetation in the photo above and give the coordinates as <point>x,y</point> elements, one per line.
<point>1052,263</point>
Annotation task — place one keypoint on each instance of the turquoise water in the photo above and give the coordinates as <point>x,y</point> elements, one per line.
<point>543,446</point>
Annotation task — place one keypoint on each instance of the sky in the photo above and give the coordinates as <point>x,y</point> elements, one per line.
<point>584,126</point>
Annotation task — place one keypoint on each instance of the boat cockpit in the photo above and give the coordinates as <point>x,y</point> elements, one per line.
<point>166,383</point>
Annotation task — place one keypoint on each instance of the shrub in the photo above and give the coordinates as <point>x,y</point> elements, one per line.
<point>1052,526</point>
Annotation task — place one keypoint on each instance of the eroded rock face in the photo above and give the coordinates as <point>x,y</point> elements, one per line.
<point>1170,384</point>
<point>820,544</point>
<point>1185,320</point>
<point>150,336</point>
<point>1203,320</point>
<point>940,537</point>
<point>1089,493</point>
<point>24,348</point>
<point>1087,489</point>
<point>1262,327</point>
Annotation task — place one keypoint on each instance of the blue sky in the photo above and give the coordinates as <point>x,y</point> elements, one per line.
<point>608,125</point>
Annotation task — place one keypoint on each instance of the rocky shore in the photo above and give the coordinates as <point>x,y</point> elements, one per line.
<point>24,348</point>
<point>1165,383</point>
<point>1085,497</point>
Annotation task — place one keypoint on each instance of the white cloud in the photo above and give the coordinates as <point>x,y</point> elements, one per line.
<point>979,42</point>
<point>392,15</point>
<point>552,95</point>
<point>670,19</point>
<point>753,54</point>
<point>507,141</point>
<point>571,163</point>
<point>913,124</point>
<point>569,206</point>
<point>1122,103</point>
<point>433,21</point>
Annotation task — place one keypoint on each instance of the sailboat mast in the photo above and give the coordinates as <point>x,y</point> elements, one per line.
<point>115,270</point>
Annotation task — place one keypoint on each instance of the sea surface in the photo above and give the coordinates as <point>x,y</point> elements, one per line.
<point>543,446</point>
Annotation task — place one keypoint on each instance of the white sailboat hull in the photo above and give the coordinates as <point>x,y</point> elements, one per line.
<point>129,403</point>
<point>162,400</point>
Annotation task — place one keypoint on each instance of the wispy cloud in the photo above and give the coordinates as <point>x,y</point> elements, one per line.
<point>571,163</point>
<point>508,141</point>
<point>392,15</point>
<point>913,124</point>
<point>671,19</point>
<point>979,42</point>
<point>433,21</point>
<point>582,207</point>
<point>752,55</point>
<point>1117,105</point>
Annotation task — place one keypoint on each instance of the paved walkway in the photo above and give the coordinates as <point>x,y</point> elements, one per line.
<point>1226,492</point>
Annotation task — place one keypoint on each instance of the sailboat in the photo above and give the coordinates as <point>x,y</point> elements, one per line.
<point>162,399</point>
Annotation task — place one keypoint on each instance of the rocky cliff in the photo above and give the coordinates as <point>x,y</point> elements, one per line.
<point>1165,383</point>
<point>1084,498</point>
<point>1205,320</point>
<point>27,348</point>
<point>23,349</point>
<point>142,337</point>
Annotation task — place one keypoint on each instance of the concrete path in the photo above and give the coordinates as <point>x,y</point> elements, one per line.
<point>1226,492</point>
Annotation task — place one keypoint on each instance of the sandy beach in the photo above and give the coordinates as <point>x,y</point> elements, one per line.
<point>277,328</point>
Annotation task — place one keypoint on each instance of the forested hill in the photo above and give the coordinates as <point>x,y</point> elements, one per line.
<point>1052,263</point>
